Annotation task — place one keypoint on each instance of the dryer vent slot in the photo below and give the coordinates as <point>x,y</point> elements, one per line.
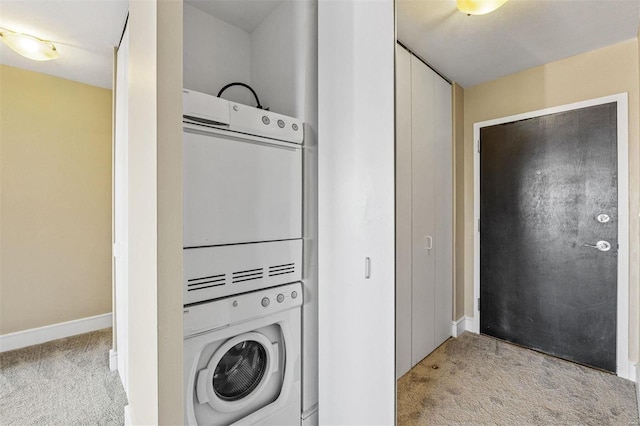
<point>212,277</point>
<point>248,275</point>
<point>206,282</point>
<point>287,268</point>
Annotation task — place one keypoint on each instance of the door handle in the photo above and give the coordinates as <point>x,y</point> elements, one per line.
<point>600,245</point>
<point>428,242</point>
<point>367,268</point>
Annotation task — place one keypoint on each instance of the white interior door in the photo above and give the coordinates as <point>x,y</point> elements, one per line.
<point>121,220</point>
<point>356,212</point>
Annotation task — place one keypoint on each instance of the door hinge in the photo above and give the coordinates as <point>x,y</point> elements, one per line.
<point>478,145</point>
<point>478,304</point>
<point>478,225</point>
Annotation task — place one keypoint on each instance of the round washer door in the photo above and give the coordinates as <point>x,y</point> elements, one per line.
<point>237,372</point>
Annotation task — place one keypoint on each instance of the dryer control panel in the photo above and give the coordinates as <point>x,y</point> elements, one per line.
<point>208,110</point>
<point>220,313</point>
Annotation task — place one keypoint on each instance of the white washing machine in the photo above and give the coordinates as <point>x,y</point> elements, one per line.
<point>242,359</point>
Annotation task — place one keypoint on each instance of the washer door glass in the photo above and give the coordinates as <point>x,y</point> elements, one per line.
<point>240,370</point>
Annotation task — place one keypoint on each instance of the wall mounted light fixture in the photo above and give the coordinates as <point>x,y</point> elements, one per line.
<point>29,46</point>
<point>479,7</point>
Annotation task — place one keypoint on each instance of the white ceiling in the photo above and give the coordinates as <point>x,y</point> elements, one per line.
<point>84,32</point>
<point>468,49</point>
<point>243,14</point>
<point>520,35</point>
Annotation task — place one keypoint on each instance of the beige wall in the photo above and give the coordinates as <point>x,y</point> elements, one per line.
<point>55,211</point>
<point>170,332</point>
<point>602,72</point>
<point>155,212</point>
<point>458,158</point>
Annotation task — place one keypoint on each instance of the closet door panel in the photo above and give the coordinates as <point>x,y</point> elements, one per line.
<point>422,120</point>
<point>356,213</point>
<point>403,211</point>
<point>443,207</point>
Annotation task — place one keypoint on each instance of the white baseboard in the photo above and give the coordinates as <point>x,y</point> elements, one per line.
<point>113,360</point>
<point>128,420</point>
<point>461,325</point>
<point>468,324</point>
<point>34,336</point>
<point>457,327</point>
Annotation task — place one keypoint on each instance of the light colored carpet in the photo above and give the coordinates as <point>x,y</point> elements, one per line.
<point>64,382</point>
<point>484,381</point>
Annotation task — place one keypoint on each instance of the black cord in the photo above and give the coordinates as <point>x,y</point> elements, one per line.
<point>255,95</point>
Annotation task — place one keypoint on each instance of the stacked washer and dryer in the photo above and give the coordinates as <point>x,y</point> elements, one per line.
<point>242,263</point>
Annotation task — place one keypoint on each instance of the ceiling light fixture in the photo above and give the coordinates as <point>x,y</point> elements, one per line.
<point>29,46</point>
<point>479,7</point>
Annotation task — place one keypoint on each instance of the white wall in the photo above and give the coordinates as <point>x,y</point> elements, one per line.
<point>215,54</point>
<point>142,357</point>
<point>277,58</point>
<point>356,201</point>
<point>155,374</point>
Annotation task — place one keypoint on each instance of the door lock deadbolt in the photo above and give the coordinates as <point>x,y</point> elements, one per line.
<point>600,245</point>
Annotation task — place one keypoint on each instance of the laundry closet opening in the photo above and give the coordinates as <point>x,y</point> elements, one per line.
<point>250,212</point>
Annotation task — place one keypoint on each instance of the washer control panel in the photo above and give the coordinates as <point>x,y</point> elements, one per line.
<point>284,295</point>
<point>207,316</point>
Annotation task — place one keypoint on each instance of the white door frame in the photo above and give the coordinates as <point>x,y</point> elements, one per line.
<point>623,366</point>
<point>121,211</point>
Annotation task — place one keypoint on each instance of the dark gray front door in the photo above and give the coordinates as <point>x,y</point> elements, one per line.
<point>548,195</point>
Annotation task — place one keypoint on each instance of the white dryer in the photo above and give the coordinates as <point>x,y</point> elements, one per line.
<point>242,359</point>
<point>242,188</point>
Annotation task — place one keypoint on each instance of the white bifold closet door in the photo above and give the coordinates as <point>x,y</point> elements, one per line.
<point>403,211</point>
<point>424,211</point>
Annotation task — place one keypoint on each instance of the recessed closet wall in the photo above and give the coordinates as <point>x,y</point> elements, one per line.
<point>276,57</point>
<point>424,210</point>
